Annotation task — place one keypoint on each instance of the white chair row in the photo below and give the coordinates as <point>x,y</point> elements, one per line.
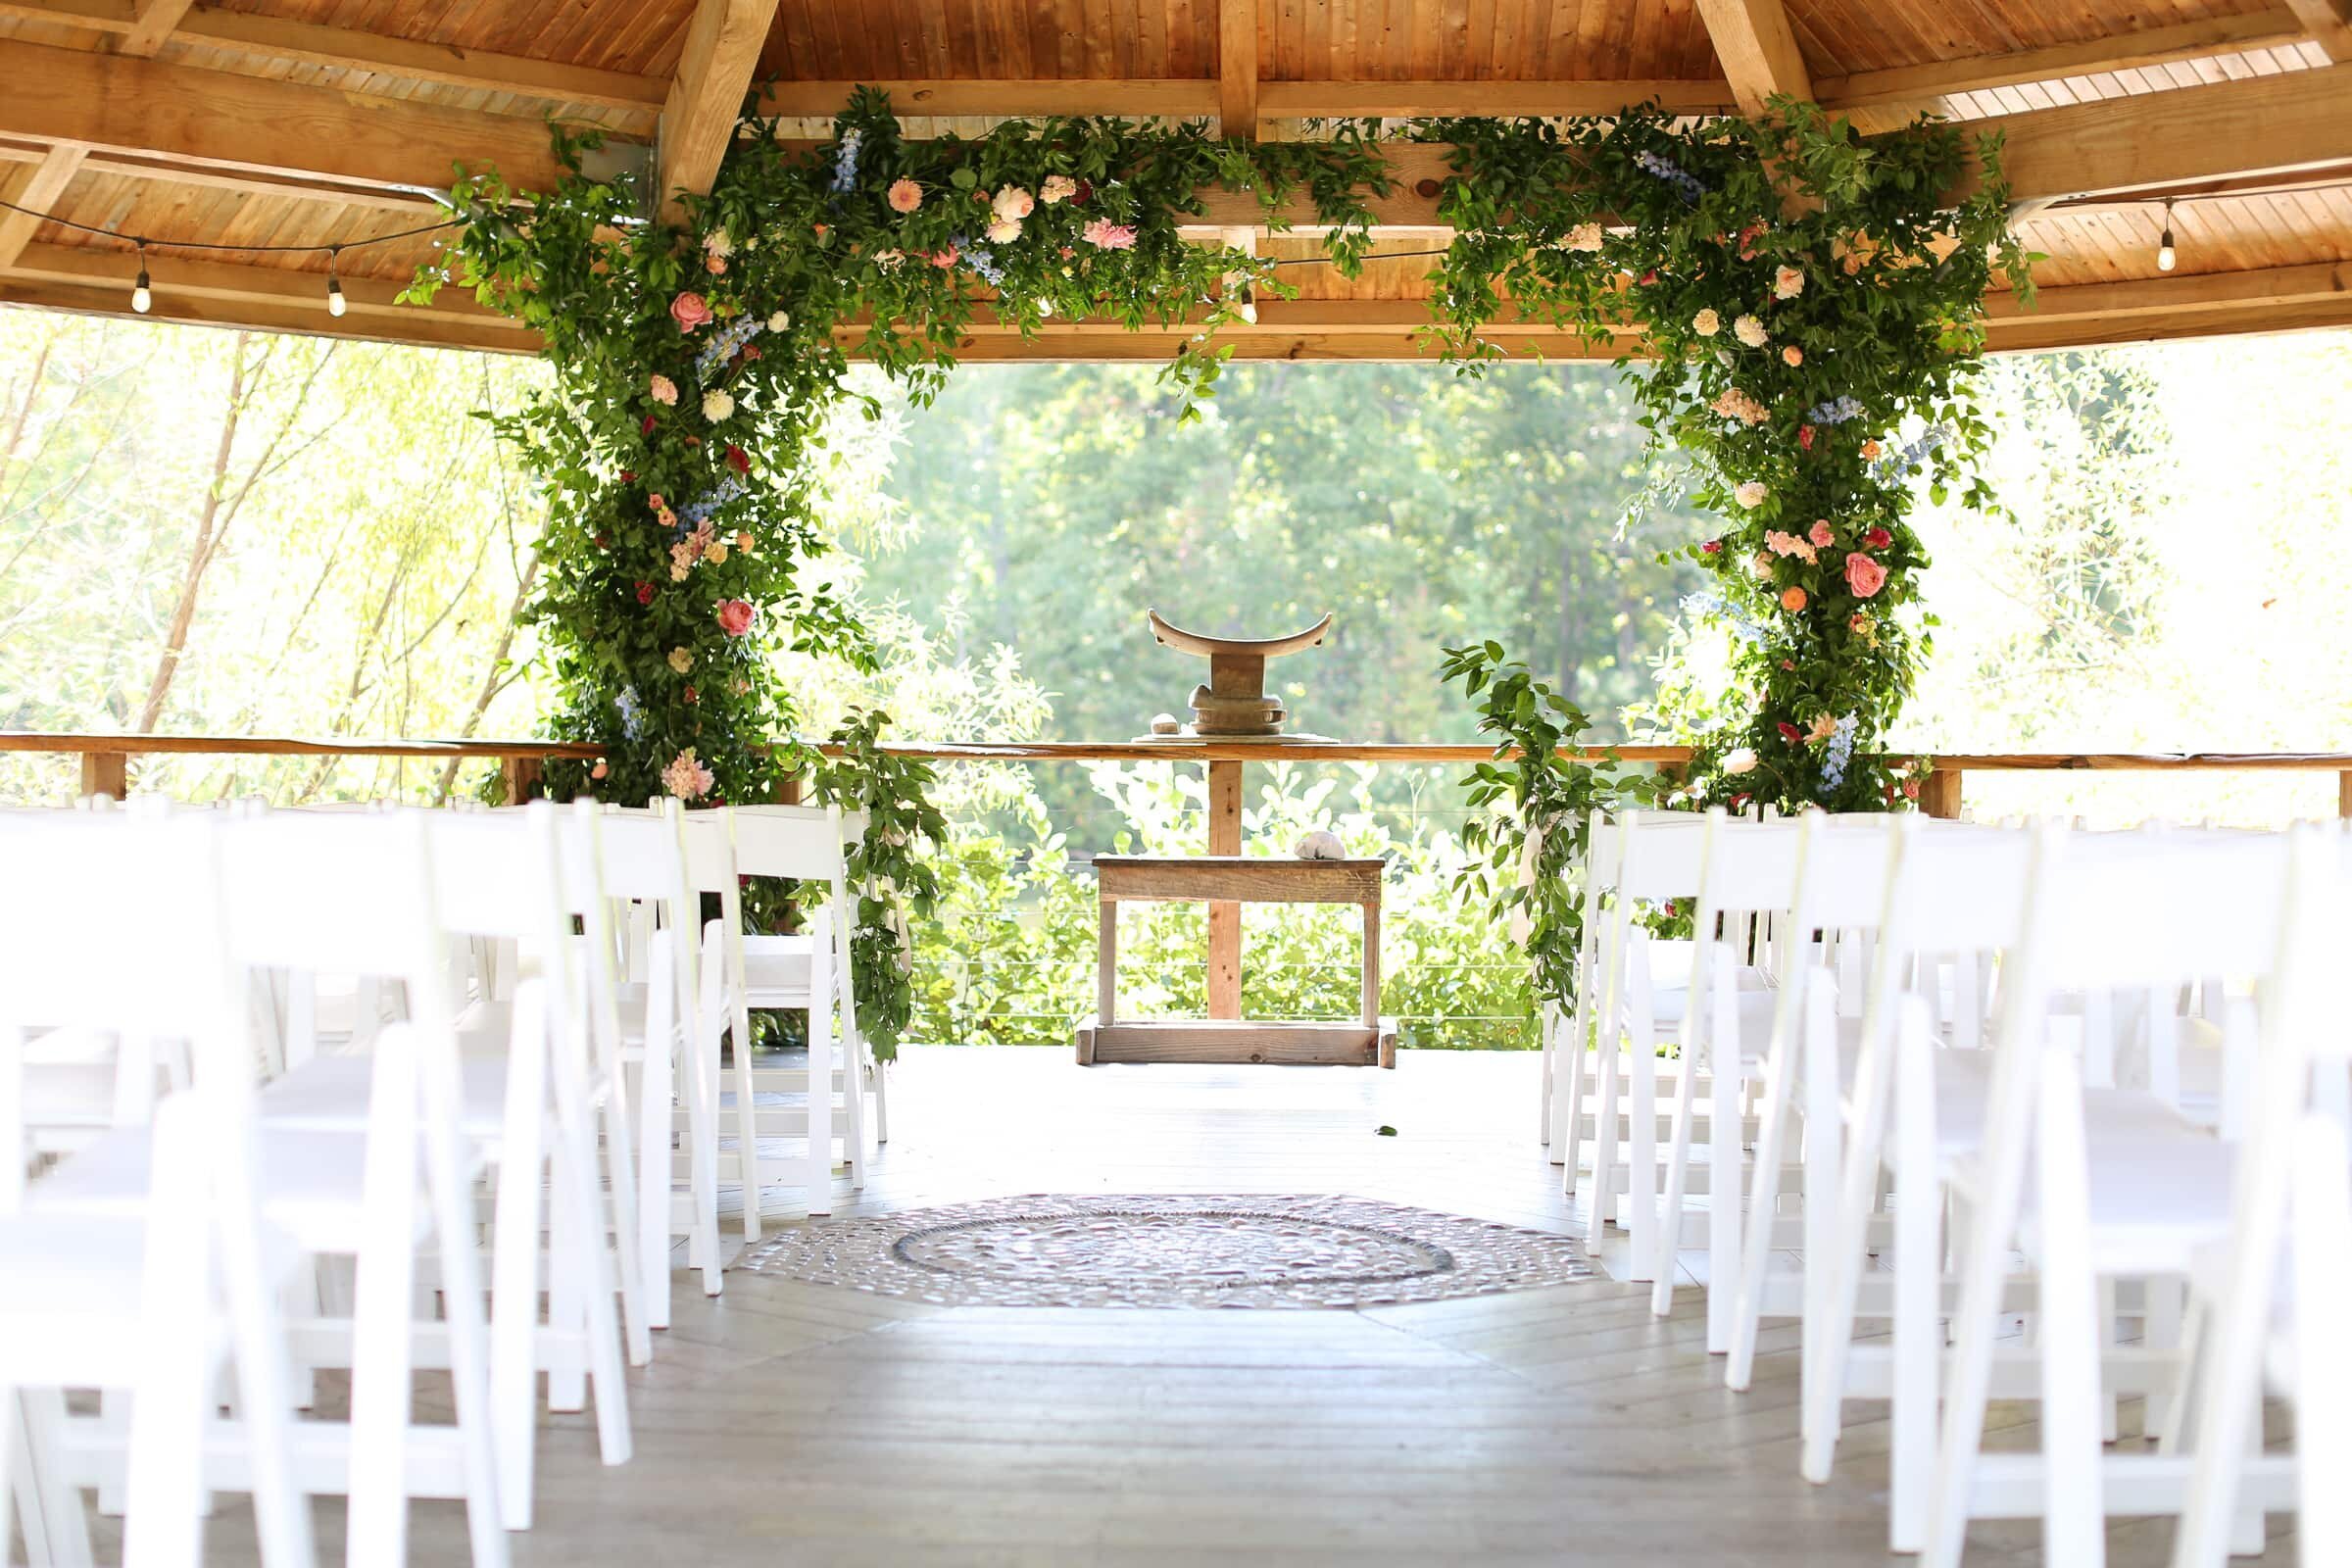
<point>2025,1076</point>
<point>544,967</point>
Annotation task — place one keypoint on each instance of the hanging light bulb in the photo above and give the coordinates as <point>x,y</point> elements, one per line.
<point>334,285</point>
<point>1044,307</point>
<point>2165,256</point>
<point>142,297</point>
<point>1249,309</point>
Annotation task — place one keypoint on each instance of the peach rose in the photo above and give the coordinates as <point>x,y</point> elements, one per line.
<point>1864,575</point>
<point>735,617</point>
<point>690,311</point>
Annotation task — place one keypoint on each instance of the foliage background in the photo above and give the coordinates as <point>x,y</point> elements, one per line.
<point>2176,576</point>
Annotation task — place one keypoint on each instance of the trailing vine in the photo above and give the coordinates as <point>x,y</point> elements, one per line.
<point>1804,294</point>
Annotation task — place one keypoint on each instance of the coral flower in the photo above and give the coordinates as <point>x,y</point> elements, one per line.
<point>1793,599</point>
<point>1864,575</point>
<point>1792,355</point>
<point>735,617</point>
<point>743,543</point>
<point>1787,282</point>
<point>690,311</point>
<point>905,195</point>
<point>1871,451</point>
<point>1819,533</point>
<point>600,769</point>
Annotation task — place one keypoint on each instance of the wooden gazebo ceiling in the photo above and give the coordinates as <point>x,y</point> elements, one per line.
<point>329,122</point>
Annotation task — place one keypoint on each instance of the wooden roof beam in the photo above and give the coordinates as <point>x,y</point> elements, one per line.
<point>714,72</point>
<point>151,23</point>
<point>1236,68</point>
<point>1758,50</point>
<point>39,192</point>
<point>227,121</point>
<point>2330,23</point>
<point>2276,27</point>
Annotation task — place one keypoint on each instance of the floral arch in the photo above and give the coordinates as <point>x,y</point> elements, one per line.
<point>1811,306</point>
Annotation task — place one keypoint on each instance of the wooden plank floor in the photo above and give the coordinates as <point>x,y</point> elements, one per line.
<point>791,1424</point>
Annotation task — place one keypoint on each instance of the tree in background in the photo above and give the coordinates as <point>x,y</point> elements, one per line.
<point>205,531</point>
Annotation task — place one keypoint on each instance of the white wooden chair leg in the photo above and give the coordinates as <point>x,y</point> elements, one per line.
<point>1918,1336</point>
<point>1781,1082</point>
<point>702,1128</point>
<point>819,1168</point>
<point>515,1332</point>
<point>1678,1175</point>
<point>18,1502</point>
<point>1723,1186</point>
<point>621,1178</point>
<point>376,1535</point>
<point>567,1305</point>
<point>881,1101</point>
<point>653,1180</point>
<point>1572,1121</point>
<point>2076,1320</point>
<point>1547,1033</point>
<point>1641,1158</point>
<point>575,1169</point>
<point>1606,1148</point>
<point>462,1316</point>
<point>2323,1273</point>
<point>747,1119</point>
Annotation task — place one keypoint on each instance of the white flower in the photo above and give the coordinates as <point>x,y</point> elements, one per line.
<point>1706,324</point>
<point>717,404</point>
<point>1752,494</point>
<point>1003,230</point>
<point>1012,204</point>
<point>1750,331</point>
<point>779,322</point>
<point>1742,760</point>
<point>1787,282</point>
<point>717,244</point>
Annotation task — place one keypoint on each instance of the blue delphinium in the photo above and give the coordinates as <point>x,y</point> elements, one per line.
<point>981,260</point>
<point>1838,754</point>
<point>1913,457</point>
<point>1684,183</point>
<point>1710,606</point>
<point>627,702</point>
<point>724,344</point>
<point>845,162</point>
<point>691,514</point>
<point>1835,411</point>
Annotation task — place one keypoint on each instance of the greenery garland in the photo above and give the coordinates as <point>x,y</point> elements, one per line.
<point>1805,293</point>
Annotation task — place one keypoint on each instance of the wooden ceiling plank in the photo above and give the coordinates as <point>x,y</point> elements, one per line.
<point>231,121</point>
<point>342,47</point>
<point>1174,99</point>
<point>151,23</point>
<point>41,190</point>
<point>1300,100</point>
<point>1236,68</point>
<point>698,118</point>
<point>2330,23</point>
<point>1758,51</point>
<point>2122,52</point>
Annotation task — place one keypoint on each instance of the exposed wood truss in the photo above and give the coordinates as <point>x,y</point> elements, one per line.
<point>1758,50</point>
<point>2329,23</point>
<point>47,181</point>
<point>1236,68</point>
<point>698,120</point>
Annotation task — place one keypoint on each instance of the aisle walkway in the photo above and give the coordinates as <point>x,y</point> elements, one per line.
<point>804,1425</point>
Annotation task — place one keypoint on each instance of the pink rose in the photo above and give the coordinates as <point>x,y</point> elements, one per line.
<point>735,617</point>
<point>1864,575</point>
<point>1821,535</point>
<point>664,391</point>
<point>690,311</point>
<point>1103,235</point>
<point>905,195</point>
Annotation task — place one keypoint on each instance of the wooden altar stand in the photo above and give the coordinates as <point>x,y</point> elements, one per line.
<point>1369,1041</point>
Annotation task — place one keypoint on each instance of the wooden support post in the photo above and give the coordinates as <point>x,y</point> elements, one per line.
<point>1939,796</point>
<point>523,777</point>
<point>2343,794</point>
<point>106,773</point>
<point>1371,963</point>
<point>1224,917</point>
<point>1106,964</point>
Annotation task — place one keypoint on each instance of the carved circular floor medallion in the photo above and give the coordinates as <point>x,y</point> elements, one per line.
<point>1216,1252</point>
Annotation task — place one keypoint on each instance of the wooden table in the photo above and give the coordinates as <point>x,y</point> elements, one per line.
<point>1233,880</point>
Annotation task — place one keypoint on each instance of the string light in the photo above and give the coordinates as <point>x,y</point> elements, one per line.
<point>1248,306</point>
<point>334,285</point>
<point>2165,256</point>
<point>142,297</point>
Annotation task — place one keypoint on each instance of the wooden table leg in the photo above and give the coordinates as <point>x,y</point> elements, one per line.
<point>1224,918</point>
<point>104,773</point>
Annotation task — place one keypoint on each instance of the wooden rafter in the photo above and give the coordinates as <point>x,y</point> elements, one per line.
<point>714,72</point>
<point>38,191</point>
<point>1758,50</point>
<point>1236,68</point>
<point>2330,23</point>
<point>151,23</point>
<point>228,120</point>
<point>1134,99</point>
<point>2272,29</point>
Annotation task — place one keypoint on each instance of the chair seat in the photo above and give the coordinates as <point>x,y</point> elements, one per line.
<point>2159,1187</point>
<point>333,1093</point>
<point>69,1094</point>
<point>69,1295</point>
<point>311,1184</point>
<point>1963,1081</point>
<point>1669,999</point>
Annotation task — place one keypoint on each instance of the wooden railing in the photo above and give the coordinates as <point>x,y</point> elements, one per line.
<point>106,758</point>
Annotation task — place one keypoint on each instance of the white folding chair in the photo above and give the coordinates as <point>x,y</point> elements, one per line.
<point>156,1300</point>
<point>2096,1186</point>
